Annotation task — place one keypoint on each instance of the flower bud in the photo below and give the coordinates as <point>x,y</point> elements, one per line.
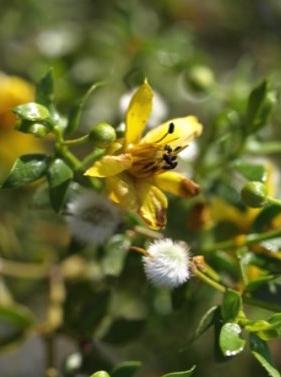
<point>254,194</point>
<point>102,135</point>
<point>100,373</point>
<point>200,78</point>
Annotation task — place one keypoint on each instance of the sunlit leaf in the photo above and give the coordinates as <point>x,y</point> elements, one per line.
<point>26,169</point>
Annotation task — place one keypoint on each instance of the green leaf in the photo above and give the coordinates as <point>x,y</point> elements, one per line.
<point>231,305</point>
<point>45,90</point>
<point>206,321</point>
<point>259,282</point>
<point>261,352</point>
<point>26,169</point>
<point>15,321</point>
<point>230,342</point>
<point>59,177</point>
<point>252,172</point>
<point>33,112</point>
<point>265,217</point>
<point>126,369</point>
<point>186,373</point>
<point>36,129</point>
<point>260,105</point>
<point>75,112</point>
<point>115,254</point>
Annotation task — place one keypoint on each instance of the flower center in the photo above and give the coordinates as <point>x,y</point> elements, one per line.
<point>154,158</point>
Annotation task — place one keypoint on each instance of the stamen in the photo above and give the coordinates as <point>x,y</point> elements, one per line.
<point>171,128</point>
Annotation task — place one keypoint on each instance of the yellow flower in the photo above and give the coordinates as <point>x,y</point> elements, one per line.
<point>141,167</point>
<point>14,91</point>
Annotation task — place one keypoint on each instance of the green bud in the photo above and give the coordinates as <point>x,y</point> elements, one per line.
<point>102,135</point>
<point>200,78</point>
<point>100,373</point>
<point>254,194</point>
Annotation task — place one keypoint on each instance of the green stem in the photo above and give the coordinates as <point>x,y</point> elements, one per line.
<point>256,148</point>
<point>205,279</point>
<point>249,240</point>
<point>23,270</point>
<point>274,201</point>
<point>80,140</point>
<point>92,157</point>
<point>63,151</point>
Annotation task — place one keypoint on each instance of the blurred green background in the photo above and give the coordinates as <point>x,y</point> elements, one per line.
<point>201,58</point>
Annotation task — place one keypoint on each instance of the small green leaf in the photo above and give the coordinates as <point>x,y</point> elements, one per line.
<point>15,321</point>
<point>59,177</point>
<point>261,352</point>
<point>45,90</point>
<point>75,112</point>
<point>206,321</point>
<point>26,169</point>
<point>115,254</point>
<point>32,111</point>
<point>126,369</point>
<point>230,342</point>
<point>252,172</point>
<point>231,305</point>
<point>36,129</point>
<point>260,105</point>
<point>186,373</point>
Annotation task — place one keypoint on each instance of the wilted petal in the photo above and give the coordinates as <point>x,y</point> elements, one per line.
<point>176,183</point>
<point>153,204</point>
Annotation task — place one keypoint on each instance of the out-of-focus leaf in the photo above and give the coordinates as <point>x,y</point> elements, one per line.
<point>59,177</point>
<point>206,321</point>
<point>256,284</point>
<point>45,90</point>
<point>33,112</point>
<point>124,330</point>
<point>26,169</point>
<point>265,217</point>
<point>126,369</point>
<point>253,172</point>
<point>231,305</point>
<point>230,341</point>
<point>186,373</point>
<point>261,352</point>
<point>115,254</point>
<point>259,107</point>
<point>75,112</point>
<point>15,321</point>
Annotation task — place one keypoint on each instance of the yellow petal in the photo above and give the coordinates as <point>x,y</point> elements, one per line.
<point>176,184</point>
<point>121,190</point>
<point>110,165</point>
<point>177,132</point>
<point>153,204</point>
<point>138,113</point>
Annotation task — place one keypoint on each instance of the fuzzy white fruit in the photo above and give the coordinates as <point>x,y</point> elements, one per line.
<point>167,263</point>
